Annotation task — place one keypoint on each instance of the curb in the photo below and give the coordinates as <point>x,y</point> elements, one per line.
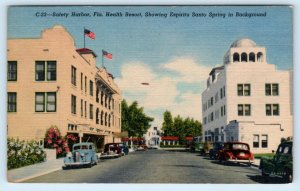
<point>34,176</point>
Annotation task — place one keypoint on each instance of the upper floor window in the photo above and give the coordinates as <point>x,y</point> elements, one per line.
<point>45,101</point>
<point>73,75</point>
<point>272,89</point>
<point>91,87</point>
<point>45,70</point>
<point>12,71</point>
<point>272,109</point>
<point>91,111</point>
<point>244,89</point>
<point>244,109</point>
<point>73,104</point>
<point>11,102</point>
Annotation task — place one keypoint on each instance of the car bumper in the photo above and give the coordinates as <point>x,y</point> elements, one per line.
<point>240,160</point>
<point>76,163</point>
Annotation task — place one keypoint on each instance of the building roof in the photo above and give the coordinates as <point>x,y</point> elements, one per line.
<point>216,68</point>
<point>170,138</point>
<point>86,51</point>
<point>244,42</point>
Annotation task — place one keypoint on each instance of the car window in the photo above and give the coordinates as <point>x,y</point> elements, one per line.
<point>280,149</point>
<point>90,147</point>
<point>76,147</point>
<point>286,150</point>
<point>84,147</point>
<point>240,146</point>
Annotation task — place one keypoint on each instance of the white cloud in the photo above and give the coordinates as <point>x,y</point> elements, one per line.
<point>163,93</point>
<point>188,70</point>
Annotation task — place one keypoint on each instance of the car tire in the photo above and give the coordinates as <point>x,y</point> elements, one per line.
<point>264,176</point>
<point>288,177</point>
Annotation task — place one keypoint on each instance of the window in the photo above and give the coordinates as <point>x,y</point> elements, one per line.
<point>247,109</point>
<point>240,110</point>
<point>252,57</point>
<point>275,109</point>
<point>91,111</point>
<point>45,69</point>
<point>212,116</point>
<point>244,89</point>
<point>101,119</point>
<point>73,104</point>
<point>244,109</point>
<point>81,108</point>
<point>39,70</point>
<point>212,101</point>
<point>244,57</point>
<point>236,57</point>
<point>85,109</point>
<point>272,109</point>
<point>39,102</point>
<point>272,89</point>
<point>85,84</point>
<point>97,116</point>
<point>12,71</point>
<point>264,141</point>
<point>255,141</point>
<point>51,101</point>
<point>240,89</point>
<point>73,75</point>
<point>51,70</point>
<point>45,101</point>
<point>11,102</point>
<point>81,81</point>
<point>221,93</point>
<point>91,87</point>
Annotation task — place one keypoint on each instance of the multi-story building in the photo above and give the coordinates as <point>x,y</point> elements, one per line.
<point>51,82</point>
<point>247,99</point>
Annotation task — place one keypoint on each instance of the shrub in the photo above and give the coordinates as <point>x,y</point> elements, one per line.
<point>54,140</point>
<point>22,153</point>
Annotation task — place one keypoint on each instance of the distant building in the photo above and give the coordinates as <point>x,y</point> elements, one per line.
<point>152,137</point>
<point>248,99</point>
<point>51,82</point>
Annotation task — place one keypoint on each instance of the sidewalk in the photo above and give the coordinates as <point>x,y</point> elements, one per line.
<point>32,171</point>
<point>256,163</point>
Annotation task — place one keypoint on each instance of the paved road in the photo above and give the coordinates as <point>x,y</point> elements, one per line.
<point>156,166</point>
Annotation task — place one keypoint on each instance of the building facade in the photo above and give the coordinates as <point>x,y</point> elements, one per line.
<point>248,100</point>
<point>152,137</point>
<point>51,82</point>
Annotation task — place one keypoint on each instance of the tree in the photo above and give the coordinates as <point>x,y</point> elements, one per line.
<point>180,127</point>
<point>168,126</point>
<point>134,120</point>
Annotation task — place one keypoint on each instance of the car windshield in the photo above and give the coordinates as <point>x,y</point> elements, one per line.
<point>82,147</point>
<point>240,146</point>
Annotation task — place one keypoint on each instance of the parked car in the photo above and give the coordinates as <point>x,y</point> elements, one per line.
<point>236,152</point>
<point>204,148</point>
<point>124,149</point>
<point>214,151</point>
<point>112,148</point>
<point>142,148</point>
<point>83,154</point>
<point>281,164</point>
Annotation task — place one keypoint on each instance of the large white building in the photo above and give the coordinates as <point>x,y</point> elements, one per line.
<point>248,100</point>
<point>152,137</point>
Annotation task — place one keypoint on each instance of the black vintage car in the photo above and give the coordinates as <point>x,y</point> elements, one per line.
<point>214,151</point>
<point>281,165</point>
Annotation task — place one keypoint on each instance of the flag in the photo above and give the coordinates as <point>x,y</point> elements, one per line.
<point>106,54</point>
<point>89,34</point>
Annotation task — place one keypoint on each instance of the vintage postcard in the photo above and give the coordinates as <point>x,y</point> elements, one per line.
<point>150,94</point>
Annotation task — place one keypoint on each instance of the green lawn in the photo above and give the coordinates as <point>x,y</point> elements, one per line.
<point>258,156</point>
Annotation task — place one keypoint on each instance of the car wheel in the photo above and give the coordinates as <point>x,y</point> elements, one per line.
<point>288,177</point>
<point>264,176</point>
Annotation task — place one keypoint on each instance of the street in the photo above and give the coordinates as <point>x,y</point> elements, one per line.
<point>156,166</point>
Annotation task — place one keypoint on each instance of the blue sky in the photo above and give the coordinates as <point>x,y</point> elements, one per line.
<point>173,54</point>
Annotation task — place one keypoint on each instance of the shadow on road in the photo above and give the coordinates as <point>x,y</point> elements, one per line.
<point>224,163</point>
<point>269,180</point>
